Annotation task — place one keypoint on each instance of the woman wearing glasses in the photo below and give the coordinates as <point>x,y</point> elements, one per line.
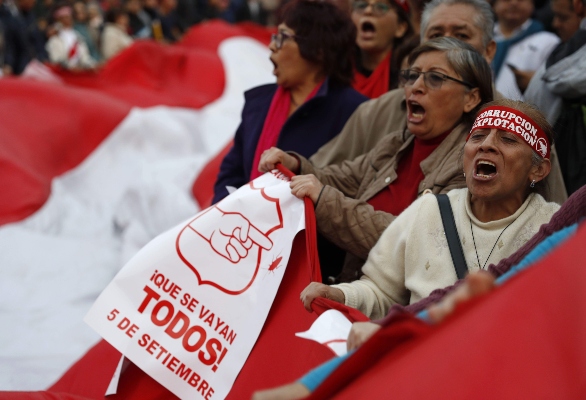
<point>311,100</point>
<point>356,200</point>
<point>382,25</point>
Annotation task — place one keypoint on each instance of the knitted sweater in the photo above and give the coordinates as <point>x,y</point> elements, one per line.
<point>572,211</point>
<point>412,257</point>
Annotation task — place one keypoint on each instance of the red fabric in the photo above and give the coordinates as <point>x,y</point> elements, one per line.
<point>203,186</point>
<point>276,118</point>
<point>321,305</point>
<point>377,83</point>
<point>44,138</point>
<point>524,340</point>
<point>48,129</point>
<point>404,190</point>
<point>310,231</point>
<point>73,51</point>
<point>277,357</point>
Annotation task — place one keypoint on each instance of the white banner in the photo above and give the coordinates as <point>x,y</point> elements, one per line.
<point>188,308</point>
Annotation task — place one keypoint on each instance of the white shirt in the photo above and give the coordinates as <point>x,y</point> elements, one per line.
<point>527,55</point>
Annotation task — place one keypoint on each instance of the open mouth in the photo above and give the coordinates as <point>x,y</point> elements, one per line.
<point>485,169</point>
<point>416,110</point>
<point>274,65</point>
<point>367,26</point>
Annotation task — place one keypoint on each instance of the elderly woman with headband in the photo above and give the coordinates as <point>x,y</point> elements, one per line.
<point>505,158</point>
<point>312,97</point>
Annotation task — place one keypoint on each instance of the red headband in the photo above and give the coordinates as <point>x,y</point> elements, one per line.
<point>514,121</point>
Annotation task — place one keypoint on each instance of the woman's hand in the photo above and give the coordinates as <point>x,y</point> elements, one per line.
<point>316,289</point>
<point>360,333</point>
<point>306,185</point>
<point>273,156</point>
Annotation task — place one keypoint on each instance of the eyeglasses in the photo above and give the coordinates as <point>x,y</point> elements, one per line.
<point>378,9</point>
<point>432,79</point>
<point>279,38</point>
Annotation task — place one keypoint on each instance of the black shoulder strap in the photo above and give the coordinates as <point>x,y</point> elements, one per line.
<point>452,235</point>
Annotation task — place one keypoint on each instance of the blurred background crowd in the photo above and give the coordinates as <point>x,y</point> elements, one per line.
<point>81,34</point>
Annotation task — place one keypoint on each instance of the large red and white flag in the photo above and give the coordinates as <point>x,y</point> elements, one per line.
<point>93,166</point>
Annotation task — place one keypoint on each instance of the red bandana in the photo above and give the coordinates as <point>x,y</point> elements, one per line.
<point>515,122</point>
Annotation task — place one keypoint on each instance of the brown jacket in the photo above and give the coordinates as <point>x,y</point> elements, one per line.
<point>376,118</point>
<point>344,217</point>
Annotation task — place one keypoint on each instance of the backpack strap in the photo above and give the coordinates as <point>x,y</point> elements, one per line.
<point>452,235</point>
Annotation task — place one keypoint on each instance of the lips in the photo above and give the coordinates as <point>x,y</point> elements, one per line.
<point>275,67</point>
<point>485,170</point>
<point>366,30</point>
<point>415,111</point>
<point>367,26</point>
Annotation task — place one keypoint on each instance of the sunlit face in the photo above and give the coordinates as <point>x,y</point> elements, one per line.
<point>291,69</point>
<point>497,165</point>
<point>566,20</point>
<point>432,112</point>
<point>377,33</point>
<point>513,12</point>
<point>456,21</point>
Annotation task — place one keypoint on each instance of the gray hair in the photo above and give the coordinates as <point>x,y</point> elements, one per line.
<point>483,18</point>
<point>467,62</point>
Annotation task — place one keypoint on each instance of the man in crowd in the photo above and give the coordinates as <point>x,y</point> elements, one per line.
<point>566,20</point>
<point>522,46</point>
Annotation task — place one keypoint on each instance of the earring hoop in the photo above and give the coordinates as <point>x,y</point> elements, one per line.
<point>532,184</point>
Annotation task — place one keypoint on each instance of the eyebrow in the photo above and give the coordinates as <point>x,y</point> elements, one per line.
<point>443,28</point>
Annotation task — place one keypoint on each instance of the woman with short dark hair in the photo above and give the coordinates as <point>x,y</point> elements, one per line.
<point>312,98</point>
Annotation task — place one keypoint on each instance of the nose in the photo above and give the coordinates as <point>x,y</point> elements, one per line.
<point>368,9</point>
<point>273,45</point>
<point>490,141</point>
<point>419,84</point>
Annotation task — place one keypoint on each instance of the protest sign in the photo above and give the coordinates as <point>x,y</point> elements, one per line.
<point>188,308</point>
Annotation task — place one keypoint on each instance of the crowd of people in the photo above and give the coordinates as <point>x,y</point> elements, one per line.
<point>381,108</point>
<point>464,103</point>
<point>83,34</point>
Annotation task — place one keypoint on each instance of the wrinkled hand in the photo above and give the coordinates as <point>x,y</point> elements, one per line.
<point>316,289</point>
<point>475,284</point>
<point>230,234</point>
<point>273,156</point>
<point>523,78</point>
<point>306,185</point>
<point>360,333</point>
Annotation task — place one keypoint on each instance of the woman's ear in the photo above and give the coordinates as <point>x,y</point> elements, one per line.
<point>401,29</point>
<point>471,100</point>
<point>541,171</point>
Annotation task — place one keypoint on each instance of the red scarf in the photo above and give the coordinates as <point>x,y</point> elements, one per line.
<point>377,83</point>
<point>276,118</point>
